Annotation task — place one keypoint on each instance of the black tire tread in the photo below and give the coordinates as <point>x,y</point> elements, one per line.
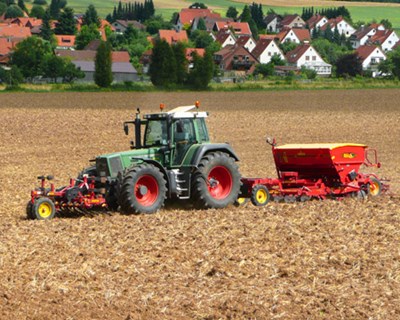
<point>126,197</point>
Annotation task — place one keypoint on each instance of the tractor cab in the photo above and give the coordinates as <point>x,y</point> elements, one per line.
<point>172,133</point>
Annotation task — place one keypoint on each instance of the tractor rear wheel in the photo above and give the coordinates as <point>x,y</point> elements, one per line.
<point>143,190</point>
<point>216,184</point>
<point>375,187</point>
<point>43,209</point>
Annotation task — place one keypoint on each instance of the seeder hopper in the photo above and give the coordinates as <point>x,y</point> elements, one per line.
<point>307,171</point>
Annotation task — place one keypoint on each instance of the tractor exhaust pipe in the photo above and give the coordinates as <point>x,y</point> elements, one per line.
<point>138,135</point>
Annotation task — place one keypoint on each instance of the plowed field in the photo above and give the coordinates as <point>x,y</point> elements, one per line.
<point>318,259</point>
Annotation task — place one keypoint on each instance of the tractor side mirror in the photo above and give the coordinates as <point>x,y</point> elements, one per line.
<point>126,128</point>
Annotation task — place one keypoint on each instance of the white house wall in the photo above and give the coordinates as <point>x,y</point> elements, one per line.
<point>291,36</point>
<point>229,41</point>
<point>345,28</point>
<point>374,59</point>
<point>311,59</point>
<point>269,52</point>
<point>250,45</point>
<point>390,42</point>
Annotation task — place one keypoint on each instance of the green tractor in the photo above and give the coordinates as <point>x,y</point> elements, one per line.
<point>174,160</point>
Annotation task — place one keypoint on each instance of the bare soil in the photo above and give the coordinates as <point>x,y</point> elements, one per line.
<point>318,259</point>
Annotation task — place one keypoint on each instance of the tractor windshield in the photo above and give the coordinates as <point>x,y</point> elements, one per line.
<point>156,133</point>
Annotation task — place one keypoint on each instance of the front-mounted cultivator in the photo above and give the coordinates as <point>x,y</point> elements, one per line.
<point>316,171</point>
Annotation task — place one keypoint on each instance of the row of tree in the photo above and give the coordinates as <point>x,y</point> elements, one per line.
<point>139,11</point>
<point>170,67</point>
<point>330,13</point>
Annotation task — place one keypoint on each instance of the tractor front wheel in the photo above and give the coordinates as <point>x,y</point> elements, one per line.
<point>216,184</point>
<point>143,190</point>
<point>43,209</point>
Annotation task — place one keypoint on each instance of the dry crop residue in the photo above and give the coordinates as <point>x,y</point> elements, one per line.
<point>319,259</point>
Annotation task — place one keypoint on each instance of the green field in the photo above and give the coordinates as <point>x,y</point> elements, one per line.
<point>365,14</point>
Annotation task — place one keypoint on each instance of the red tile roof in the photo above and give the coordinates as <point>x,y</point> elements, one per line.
<point>222,35</point>
<point>121,56</point>
<point>65,41</point>
<point>27,22</point>
<point>191,51</point>
<point>365,51</point>
<point>314,20</point>
<point>240,28</point>
<point>267,36</point>
<point>380,36</point>
<point>173,36</point>
<point>242,40</point>
<point>6,45</point>
<point>14,30</point>
<point>289,19</point>
<point>262,44</point>
<point>187,16</point>
<point>302,34</point>
<point>89,55</point>
<point>294,55</point>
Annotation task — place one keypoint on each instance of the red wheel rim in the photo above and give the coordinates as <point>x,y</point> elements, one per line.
<point>146,190</point>
<point>219,182</point>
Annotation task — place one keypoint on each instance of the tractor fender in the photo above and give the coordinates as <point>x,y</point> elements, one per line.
<point>206,148</point>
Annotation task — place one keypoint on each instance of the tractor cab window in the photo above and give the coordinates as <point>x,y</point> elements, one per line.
<point>184,131</point>
<point>156,133</point>
<point>184,137</point>
<point>202,129</point>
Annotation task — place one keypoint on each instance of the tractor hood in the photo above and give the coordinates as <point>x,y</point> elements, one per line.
<point>112,163</point>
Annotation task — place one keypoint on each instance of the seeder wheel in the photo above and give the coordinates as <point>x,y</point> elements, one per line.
<point>43,209</point>
<point>239,202</point>
<point>375,187</point>
<point>260,195</point>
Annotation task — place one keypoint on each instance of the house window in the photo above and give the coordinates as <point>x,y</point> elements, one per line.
<point>307,58</point>
<point>269,53</point>
<point>314,58</point>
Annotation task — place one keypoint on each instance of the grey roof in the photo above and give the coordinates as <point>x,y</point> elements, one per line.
<point>117,67</point>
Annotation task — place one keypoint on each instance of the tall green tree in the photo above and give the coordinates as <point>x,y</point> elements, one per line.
<point>37,12</point>
<point>30,54</point>
<point>13,11</point>
<point>46,32</point>
<point>103,76</point>
<point>86,35</point>
<point>202,72</point>
<point>163,65</point>
<point>66,24</point>
<point>91,17</point>
<point>201,25</point>
<point>179,50</point>
<point>21,4</point>
<point>232,12</point>
<point>55,9</point>
<point>3,8</point>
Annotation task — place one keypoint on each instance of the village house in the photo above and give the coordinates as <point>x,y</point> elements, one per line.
<point>238,28</point>
<point>266,49</point>
<point>291,21</point>
<point>65,42</point>
<point>295,35</point>
<point>173,36</point>
<point>246,41</point>
<point>186,17</point>
<point>225,38</point>
<point>235,58</point>
<point>305,56</point>
<point>272,22</point>
<point>120,26</point>
<point>121,67</point>
<point>361,36</point>
<point>387,39</point>
<point>14,31</point>
<point>342,26</point>
<point>371,56</point>
<point>316,21</point>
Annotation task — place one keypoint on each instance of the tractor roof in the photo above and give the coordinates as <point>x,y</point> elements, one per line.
<point>179,112</point>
